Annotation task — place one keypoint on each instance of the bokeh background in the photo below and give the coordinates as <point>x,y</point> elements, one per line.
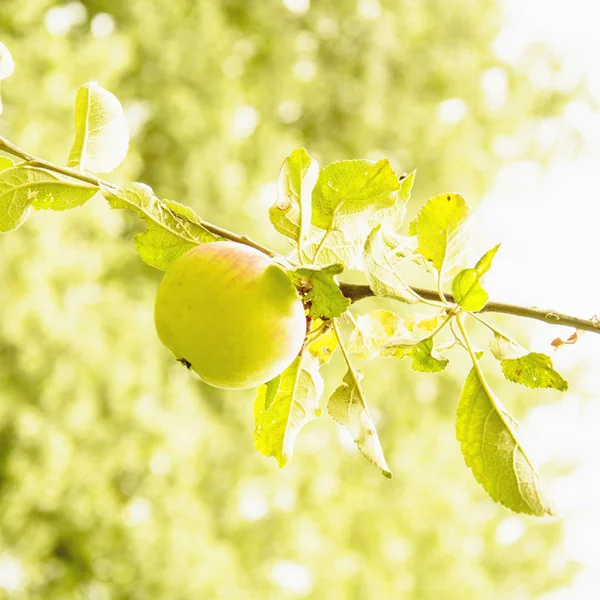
<point>124,477</point>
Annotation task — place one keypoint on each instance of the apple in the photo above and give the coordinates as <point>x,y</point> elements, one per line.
<point>231,314</point>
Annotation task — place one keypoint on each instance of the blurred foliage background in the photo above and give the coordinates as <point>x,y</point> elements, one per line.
<point>121,475</point>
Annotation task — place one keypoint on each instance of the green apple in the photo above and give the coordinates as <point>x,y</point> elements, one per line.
<point>231,313</point>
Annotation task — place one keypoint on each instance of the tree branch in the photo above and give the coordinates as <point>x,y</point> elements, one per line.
<point>352,291</point>
<point>356,292</point>
<point>34,161</point>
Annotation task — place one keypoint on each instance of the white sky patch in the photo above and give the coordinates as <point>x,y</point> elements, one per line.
<point>137,512</point>
<point>305,70</point>
<point>289,111</point>
<point>368,9</point>
<point>292,577</point>
<point>452,110</point>
<point>510,531</point>
<point>252,501</point>
<point>547,221</point>
<point>12,574</point>
<point>102,25</point>
<point>59,20</point>
<point>298,7</point>
<point>494,83</point>
<point>245,120</point>
<point>160,464</point>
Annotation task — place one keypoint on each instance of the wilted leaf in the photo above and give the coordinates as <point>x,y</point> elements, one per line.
<point>347,406</point>
<point>22,188</point>
<point>293,208</point>
<point>372,332</point>
<point>284,405</point>
<point>173,228</point>
<point>424,322</point>
<point>101,132</point>
<point>466,286</point>
<point>489,443</point>
<point>572,339</point>
<point>442,230</point>
<point>327,301</point>
<point>381,272</point>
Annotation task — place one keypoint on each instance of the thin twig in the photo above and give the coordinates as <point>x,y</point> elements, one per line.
<point>356,292</point>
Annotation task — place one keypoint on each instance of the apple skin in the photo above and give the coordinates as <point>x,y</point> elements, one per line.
<point>231,313</point>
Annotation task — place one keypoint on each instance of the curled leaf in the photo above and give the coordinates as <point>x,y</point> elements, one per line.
<point>284,405</point>
<point>101,132</point>
<point>291,213</point>
<point>466,286</point>
<point>347,406</point>
<point>372,332</point>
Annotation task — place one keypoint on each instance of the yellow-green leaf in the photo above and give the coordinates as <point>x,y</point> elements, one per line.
<point>491,448</point>
<point>443,232</point>
<point>23,188</point>
<point>466,287</point>
<point>173,228</point>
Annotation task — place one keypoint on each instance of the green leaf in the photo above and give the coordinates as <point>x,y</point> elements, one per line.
<point>533,371</point>
<point>101,132</point>
<point>413,227</point>
<point>350,187</point>
<point>324,347</point>
<point>489,443</point>
<point>293,209</point>
<point>442,230</point>
<point>381,272</point>
<point>284,405</point>
<point>173,228</point>
<point>348,407</point>
<point>5,163</point>
<point>321,290</point>
<point>425,358</point>
<point>467,290</point>
<point>372,332</point>
<point>23,187</point>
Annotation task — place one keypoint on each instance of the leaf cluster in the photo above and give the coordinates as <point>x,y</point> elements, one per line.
<point>347,215</point>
